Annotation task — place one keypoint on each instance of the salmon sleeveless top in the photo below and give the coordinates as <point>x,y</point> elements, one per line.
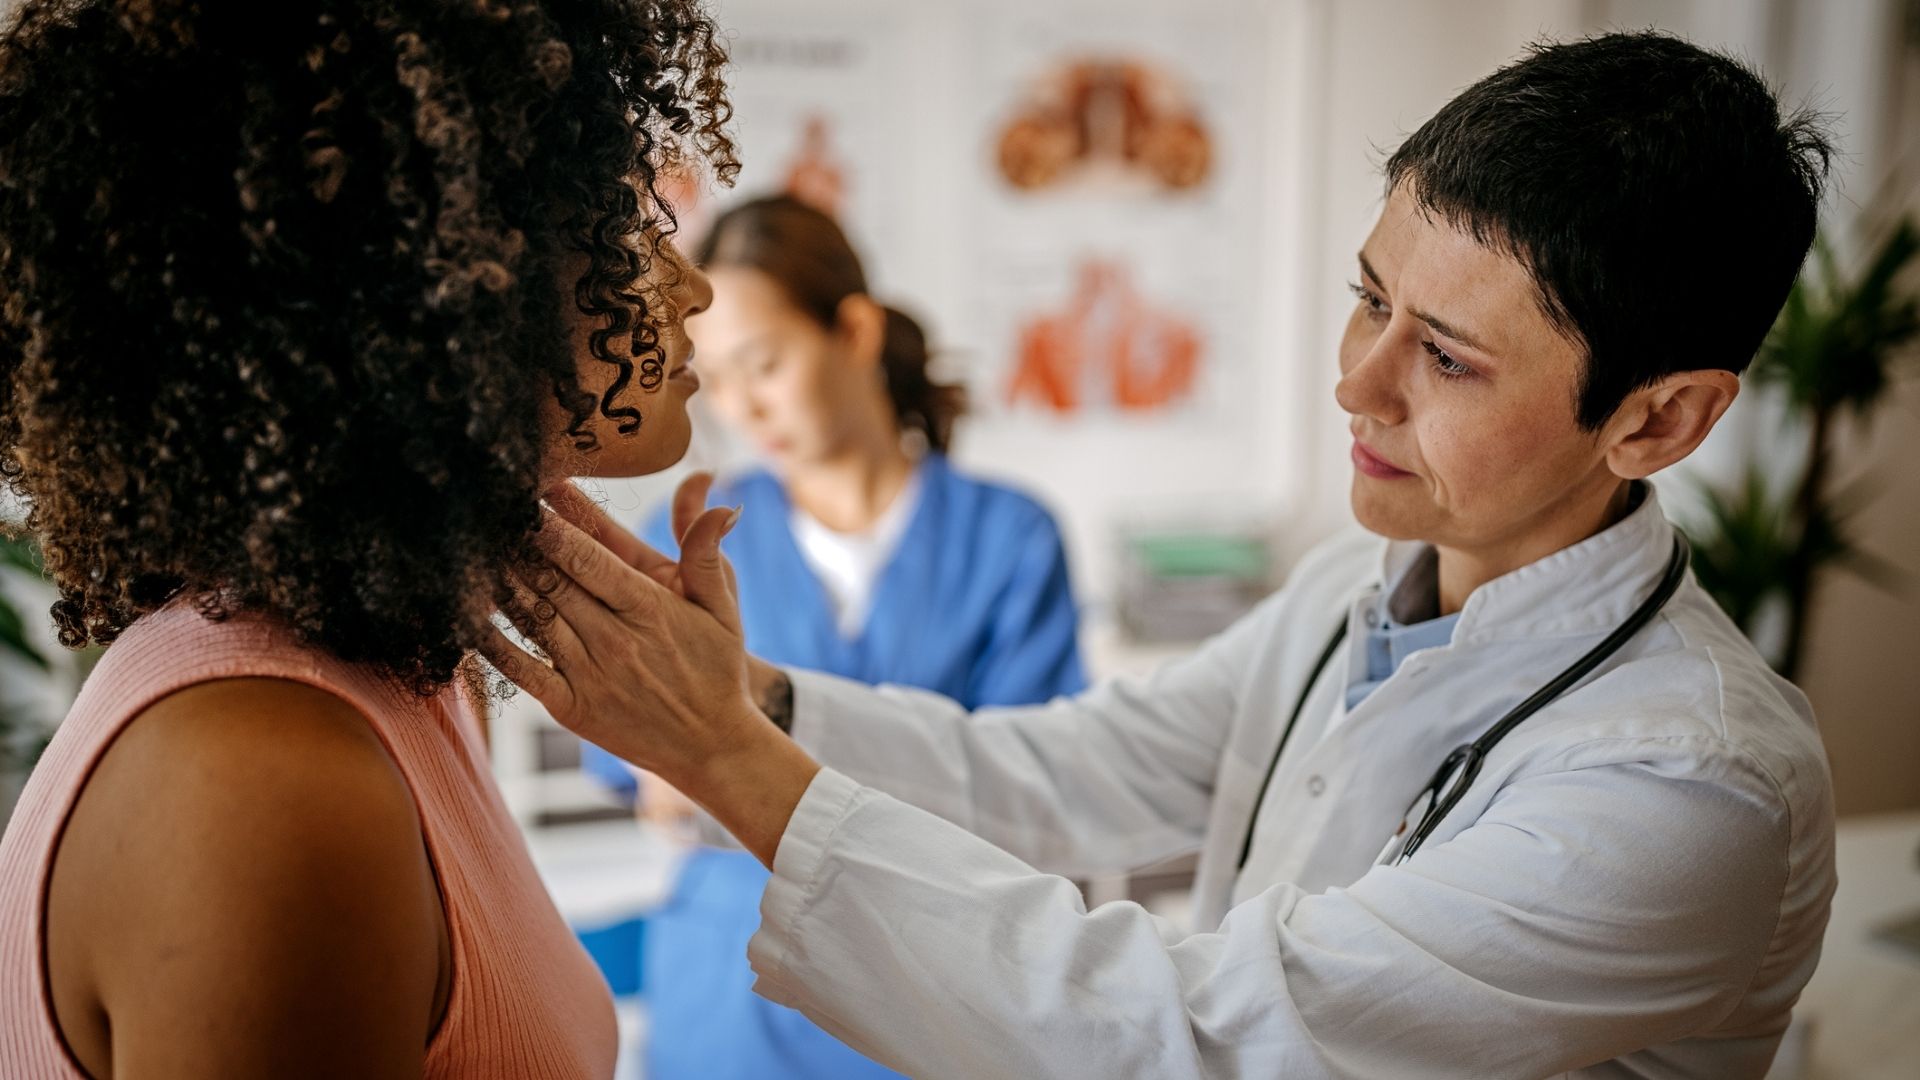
<point>525,1001</point>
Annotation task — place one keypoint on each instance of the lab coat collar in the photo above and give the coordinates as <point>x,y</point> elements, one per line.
<point>1588,587</point>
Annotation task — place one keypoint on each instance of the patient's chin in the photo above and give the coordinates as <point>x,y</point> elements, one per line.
<point>658,445</point>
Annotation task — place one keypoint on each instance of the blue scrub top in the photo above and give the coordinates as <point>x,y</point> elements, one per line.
<point>976,605</point>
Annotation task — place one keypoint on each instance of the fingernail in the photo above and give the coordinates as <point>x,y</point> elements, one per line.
<point>732,520</point>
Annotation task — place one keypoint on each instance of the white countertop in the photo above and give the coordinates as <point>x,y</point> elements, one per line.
<point>1861,1012</point>
<point>606,872</point>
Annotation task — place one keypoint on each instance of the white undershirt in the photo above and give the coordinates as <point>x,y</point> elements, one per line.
<point>849,564</point>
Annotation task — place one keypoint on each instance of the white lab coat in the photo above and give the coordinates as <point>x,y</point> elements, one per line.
<point>1635,885</point>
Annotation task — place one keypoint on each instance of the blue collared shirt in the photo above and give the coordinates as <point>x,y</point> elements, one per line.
<point>1401,623</point>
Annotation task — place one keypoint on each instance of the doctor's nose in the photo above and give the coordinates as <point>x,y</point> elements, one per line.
<point>1371,387</point>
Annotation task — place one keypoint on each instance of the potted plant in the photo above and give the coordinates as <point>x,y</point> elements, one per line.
<point>24,665</point>
<point>1836,349</point>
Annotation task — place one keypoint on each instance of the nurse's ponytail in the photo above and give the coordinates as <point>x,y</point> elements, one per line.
<point>807,253</point>
<point>922,404</point>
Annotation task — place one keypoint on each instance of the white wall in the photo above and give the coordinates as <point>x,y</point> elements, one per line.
<point>1098,473</point>
<point>1859,665</point>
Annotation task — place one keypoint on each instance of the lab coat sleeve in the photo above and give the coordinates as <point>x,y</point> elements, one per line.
<point>1112,779</point>
<point>1032,651</point>
<point>1606,906</point>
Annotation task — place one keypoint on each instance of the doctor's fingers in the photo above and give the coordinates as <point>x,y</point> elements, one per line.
<point>623,590</point>
<point>580,508</point>
<point>689,499</point>
<point>593,646</point>
<point>534,612</point>
<point>514,664</point>
<point>705,576</point>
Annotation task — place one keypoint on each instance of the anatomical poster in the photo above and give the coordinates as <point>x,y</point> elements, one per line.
<point>1116,205</point>
<point>809,118</point>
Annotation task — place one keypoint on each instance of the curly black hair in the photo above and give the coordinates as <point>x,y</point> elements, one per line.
<point>283,293</point>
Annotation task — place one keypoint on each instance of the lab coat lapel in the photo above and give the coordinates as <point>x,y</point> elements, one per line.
<point>1351,789</point>
<point>1342,792</point>
<point>1335,800</point>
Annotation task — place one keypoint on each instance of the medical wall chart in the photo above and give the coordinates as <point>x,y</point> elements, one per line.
<point>1116,177</point>
<point>811,118</point>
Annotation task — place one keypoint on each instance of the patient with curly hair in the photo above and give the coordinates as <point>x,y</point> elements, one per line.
<point>303,305</point>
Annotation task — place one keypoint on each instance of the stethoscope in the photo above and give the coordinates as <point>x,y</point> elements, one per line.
<point>1458,770</point>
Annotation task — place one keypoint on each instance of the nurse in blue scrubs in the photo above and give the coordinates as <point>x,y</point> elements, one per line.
<point>863,552</point>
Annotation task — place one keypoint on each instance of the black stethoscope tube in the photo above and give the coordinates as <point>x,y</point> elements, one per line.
<point>1467,759</point>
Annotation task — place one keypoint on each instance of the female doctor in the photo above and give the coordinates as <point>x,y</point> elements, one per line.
<point>1502,794</point>
<point>861,552</point>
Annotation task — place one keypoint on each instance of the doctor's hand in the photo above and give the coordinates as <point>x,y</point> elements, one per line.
<point>771,690</point>
<point>689,501</point>
<point>657,673</point>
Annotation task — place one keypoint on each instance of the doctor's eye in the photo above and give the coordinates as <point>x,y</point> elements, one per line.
<point>1444,363</point>
<point>1368,298</point>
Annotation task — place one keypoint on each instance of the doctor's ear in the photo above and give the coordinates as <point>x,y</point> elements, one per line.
<point>860,325</point>
<point>1660,424</point>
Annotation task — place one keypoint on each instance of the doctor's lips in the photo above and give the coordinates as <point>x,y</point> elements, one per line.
<point>1374,465</point>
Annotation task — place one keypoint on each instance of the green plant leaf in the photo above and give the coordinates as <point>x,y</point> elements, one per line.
<point>1837,340</point>
<point>21,553</point>
<point>13,638</point>
<point>1740,549</point>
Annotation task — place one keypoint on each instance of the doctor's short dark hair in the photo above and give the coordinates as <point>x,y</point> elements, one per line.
<point>1656,191</point>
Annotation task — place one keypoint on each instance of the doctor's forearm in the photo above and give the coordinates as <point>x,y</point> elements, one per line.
<point>1100,783</point>
<point>752,789</point>
<point>940,956</point>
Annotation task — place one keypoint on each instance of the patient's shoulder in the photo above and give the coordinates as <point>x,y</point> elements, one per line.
<point>245,848</point>
<point>252,760</point>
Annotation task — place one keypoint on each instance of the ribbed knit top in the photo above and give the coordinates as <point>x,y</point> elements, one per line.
<point>525,1002</point>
